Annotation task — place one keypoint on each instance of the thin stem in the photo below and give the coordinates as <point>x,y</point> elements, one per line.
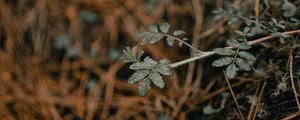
<point>291,116</point>
<point>187,44</point>
<point>271,36</point>
<point>292,79</point>
<point>236,53</point>
<point>209,53</point>
<point>234,98</point>
<point>201,55</point>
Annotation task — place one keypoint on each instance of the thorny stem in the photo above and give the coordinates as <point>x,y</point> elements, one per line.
<point>209,53</point>
<point>187,44</point>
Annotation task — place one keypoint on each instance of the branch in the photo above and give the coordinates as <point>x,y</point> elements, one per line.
<point>292,79</point>
<point>209,53</point>
<point>233,96</point>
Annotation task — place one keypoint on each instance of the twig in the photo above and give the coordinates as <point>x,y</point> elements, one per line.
<point>234,98</point>
<point>206,54</point>
<point>291,116</point>
<point>251,110</point>
<point>258,100</point>
<point>256,9</point>
<point>202,55</point>
<point>292,79</point>
<point>221,90</point>
<point>270,37</point>
<point>185,43</point>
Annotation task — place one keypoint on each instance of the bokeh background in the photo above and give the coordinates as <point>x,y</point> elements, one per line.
<point>59,59</point>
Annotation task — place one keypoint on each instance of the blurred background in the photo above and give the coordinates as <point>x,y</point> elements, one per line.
<point>59,59</point>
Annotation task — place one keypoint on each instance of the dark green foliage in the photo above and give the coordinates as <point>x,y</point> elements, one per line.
<point>234,57</point>
<point>129,55</point>
<point>157,33</point>
<point>235,60</point>
<point>146,70</point>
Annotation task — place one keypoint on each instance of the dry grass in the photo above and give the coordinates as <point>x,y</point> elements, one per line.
<point>37,81</point>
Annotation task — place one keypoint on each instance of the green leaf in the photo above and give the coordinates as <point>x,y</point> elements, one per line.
<point>129,55</point>
<point>244,46</point>
<point>163,67</point>
<point>224,51</point>
<point>232,20</point>
<point>138,76</point>
<point>181,43</point>
<point>139,55</point>
<point>157,80</point>
<point>171,40</point>
<point>218,14</point>
<point>218,17</point>
<point>231,71</point>
<point>239,32</point>
<point>154,38</point>
<point>246,29</point>
<point>233,43</point>
<point>280,26</point>
<point>148,63</point>
<point>295,20</point>
<point>208,110</point>
<point>289,9</point>
<point>247,55</point>
<point>217,11</point>
<point>178,32</point>
<point>243,64</point>
<point>223,61</point>
<point>248,22</point>
<point>165,27</point>
<point>153,28</point>
<point>143,34</point>
<point>144,87</point>
<point>185,39</point>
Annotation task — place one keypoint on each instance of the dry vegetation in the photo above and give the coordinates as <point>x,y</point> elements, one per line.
<point>59,60</point>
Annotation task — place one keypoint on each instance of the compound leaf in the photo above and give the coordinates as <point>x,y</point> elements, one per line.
<point>289,9</point>
<point>244,46</point>
<point>247,55</point>
<point>223,61</point>
<point>171,40</point>
<point>233,43</point>
<point>163,67</point>
<point>165,27</point>
<point>243,64</point>
<point>148,63</point>
<point>153,28</point>
<point>232,20</point>
<point>144,87</point>
<point>138,76</point>
<point>157,80</point>
<point>231,71</point>
<point>130,56</point>
<point>239,32</point>
<point>178,32</point>
<point>154,38</point>
<point>224,51</point>
<point>143,34</point>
